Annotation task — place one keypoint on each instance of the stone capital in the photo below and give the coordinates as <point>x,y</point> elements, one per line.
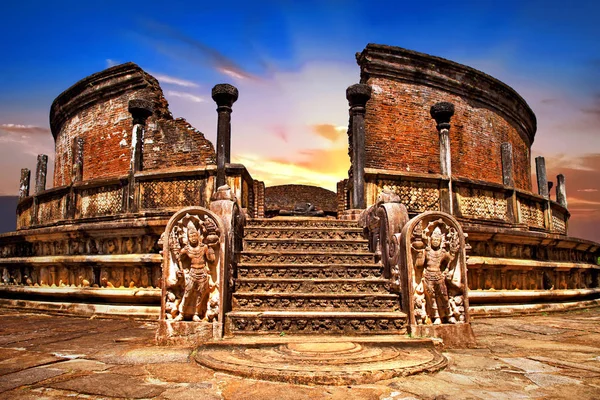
<point>224,94</point>
<point>442,112</point>
<point>140,110</point>
<point>358,95</point>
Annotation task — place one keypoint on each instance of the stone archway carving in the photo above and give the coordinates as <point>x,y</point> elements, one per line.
<point>194,251</point>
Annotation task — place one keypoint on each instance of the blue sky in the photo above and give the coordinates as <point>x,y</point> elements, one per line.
<point>292,61</point>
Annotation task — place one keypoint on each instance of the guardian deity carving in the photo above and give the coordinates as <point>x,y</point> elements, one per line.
<point>191,267</point>
<point>435,259</point>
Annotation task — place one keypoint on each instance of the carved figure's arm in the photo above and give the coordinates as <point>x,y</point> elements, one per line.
<point>419,257</point>
<point>210,254</point>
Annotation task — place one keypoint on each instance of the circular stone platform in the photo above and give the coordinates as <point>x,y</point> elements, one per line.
<point>339,361</point>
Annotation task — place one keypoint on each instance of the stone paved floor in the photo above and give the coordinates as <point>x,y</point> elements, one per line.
<point>554,356</point>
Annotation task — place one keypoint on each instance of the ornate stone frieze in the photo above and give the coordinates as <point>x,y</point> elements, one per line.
<point>348,272</point>
<point>333,234</point>
<point>51,209</point>
<point>316,258</point>
<point>558,222</point>
<point>105,200</point>
<point>532,213</point>
<point>307,246</point>
<point>323,303</point>
<point>170,193</point>
<point>416,196</point>
<point>313,286</point>
<point>319,325</point>
<point>482,204</point>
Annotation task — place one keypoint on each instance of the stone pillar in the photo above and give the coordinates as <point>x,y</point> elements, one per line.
<point>140,110</point>
<point>24,183</point>
<point>78,161</point>
<point>357,96</point>
<point>40,173</point>
<point>508,178</point>
<point>224,95</point>
<point>561,190</point>
<point>442,113</point>
<point>542,180</point>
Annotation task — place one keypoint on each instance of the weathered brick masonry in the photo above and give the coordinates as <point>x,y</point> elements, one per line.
<point>401,135</point>
<point>285,197</point>
<point>96,109</point>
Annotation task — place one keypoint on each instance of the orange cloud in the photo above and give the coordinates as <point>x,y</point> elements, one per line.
<point>329,131</point>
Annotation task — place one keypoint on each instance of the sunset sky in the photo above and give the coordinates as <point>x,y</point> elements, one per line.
<point>292,61</point>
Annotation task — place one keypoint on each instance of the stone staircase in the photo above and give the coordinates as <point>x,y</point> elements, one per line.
<point>310,276</point>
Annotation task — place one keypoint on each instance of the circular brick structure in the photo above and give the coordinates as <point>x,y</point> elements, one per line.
<point>400,134</point>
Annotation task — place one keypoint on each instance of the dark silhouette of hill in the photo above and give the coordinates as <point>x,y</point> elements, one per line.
<point>8,219</point>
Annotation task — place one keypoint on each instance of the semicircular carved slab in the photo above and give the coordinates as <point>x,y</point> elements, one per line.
<point>434,262</point>
<point>193,260</point>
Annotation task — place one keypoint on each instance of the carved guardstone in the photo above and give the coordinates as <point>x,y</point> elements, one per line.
<point>433,259</point>
<point>194,250</point>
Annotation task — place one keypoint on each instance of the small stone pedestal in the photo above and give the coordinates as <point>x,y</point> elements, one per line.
<point>454,336</point>
<point>187,333</point>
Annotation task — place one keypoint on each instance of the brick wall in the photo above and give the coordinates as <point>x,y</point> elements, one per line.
<point>96,109</point>
<point>285,197</point>
<point>402,136</point>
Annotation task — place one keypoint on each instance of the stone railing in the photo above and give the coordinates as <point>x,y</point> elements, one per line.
<point>474,202</point>
<point>151,192</point>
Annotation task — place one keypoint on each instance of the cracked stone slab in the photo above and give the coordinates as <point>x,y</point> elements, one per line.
<point>24,359</point>
<point>547,380</point>
<point>27,377</point>
<point>528,365</point>
<point>113,385</point>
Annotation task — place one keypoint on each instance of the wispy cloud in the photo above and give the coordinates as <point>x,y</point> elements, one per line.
<point>175,81</point>
<point>185,95</point>
<point>280,132</point>
<point>111,63</point>
<point>24,129</point>
<point>191,49</point>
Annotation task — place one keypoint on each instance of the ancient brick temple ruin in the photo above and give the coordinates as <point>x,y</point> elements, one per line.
<point>436,222</point>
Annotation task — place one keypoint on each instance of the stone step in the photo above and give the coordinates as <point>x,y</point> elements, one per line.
<point>303,233</point>
<point>324,245</point>
<point>309,271</point>
<point>315,322</point>
<point>356,286</point>
<point>315,302</point>
<point>296,222</point>
<point>313,257</point>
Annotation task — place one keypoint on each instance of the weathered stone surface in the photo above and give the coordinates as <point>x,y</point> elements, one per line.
<point>114,385</point>
<point>27,377</point>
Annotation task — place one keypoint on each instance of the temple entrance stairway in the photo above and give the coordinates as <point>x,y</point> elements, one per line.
<point>304,276</point>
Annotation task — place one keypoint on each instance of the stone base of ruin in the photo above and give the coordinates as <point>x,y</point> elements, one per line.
<point>324,360</point>
<point>351,215</point>
<point>186,333</point>
<point>453,336</point>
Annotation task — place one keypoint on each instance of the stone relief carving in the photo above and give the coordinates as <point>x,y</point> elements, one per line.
<point>434,260</point>
<point>192,250</point>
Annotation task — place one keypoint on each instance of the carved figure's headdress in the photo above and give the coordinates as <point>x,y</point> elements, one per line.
<point>191,227</point>
<point>437,232</point>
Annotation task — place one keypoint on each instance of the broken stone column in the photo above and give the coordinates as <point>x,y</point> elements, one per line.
<point>561,190</point>
<point>24,183</point>
<point>507,165</point>
<point>140,110</point>
<point>542,180</point>
<point>78,161</point>
<point>357,96</point>
<point>224,95</point>
<point>40,173</point>
<point>442,112</point>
